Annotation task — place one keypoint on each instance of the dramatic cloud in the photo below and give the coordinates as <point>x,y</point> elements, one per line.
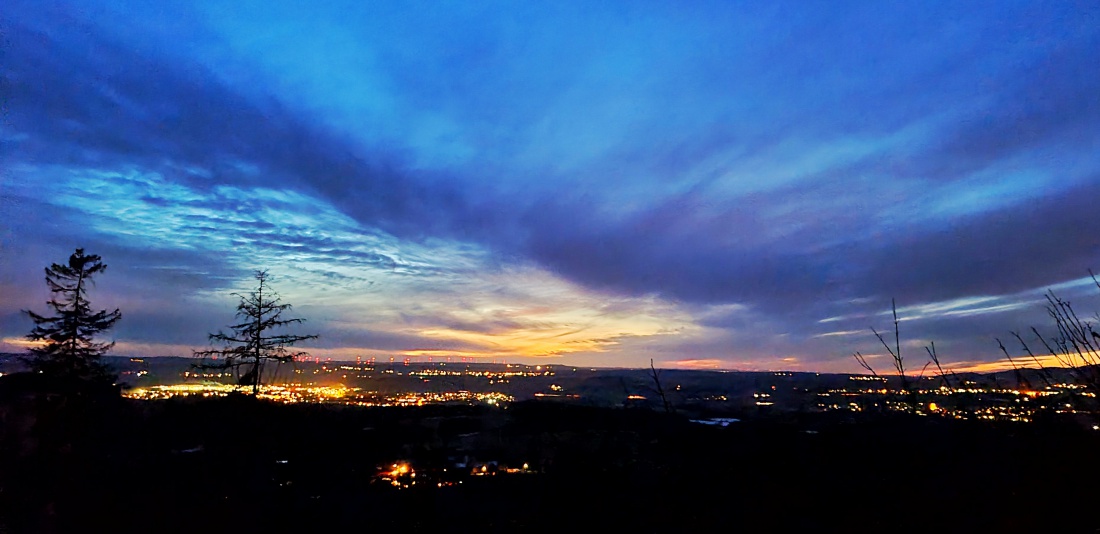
<point>716,186</point>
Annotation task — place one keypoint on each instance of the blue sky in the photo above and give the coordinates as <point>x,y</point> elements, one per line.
<point>710,184</point>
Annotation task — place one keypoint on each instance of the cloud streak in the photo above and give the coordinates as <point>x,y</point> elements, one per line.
<point>601,184</point>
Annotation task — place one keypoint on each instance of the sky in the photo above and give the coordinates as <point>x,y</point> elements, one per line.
<point>728,185</point>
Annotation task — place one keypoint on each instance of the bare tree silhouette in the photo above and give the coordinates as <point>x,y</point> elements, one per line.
<point>935,357</point>
<point>655,375</point>
<point>1075,344</point>
<point>251,345</point>
<point>862,361</point>
<point>895,353</point>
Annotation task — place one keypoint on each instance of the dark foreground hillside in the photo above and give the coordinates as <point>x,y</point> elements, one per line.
<point>89,463</point>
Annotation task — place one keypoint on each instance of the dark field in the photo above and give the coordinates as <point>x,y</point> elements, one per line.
<point>103,464</point>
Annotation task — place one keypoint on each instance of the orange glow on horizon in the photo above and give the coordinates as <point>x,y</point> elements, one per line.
<point>1048,360</point>
<point>706,363</point>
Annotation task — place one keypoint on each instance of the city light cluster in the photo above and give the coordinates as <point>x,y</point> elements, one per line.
<point>402,474</point>
<point>295,393</point>
<point>968,401</point>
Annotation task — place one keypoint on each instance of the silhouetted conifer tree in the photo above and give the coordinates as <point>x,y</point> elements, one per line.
<point>251,344</point>
<point>68,341</point>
